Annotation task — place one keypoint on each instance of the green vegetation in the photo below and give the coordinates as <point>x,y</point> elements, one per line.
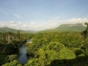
<point>6,29</point>
<point>68,28</point>
<point>9,45</point>
<point>46,49</point>
<point>71,27</point>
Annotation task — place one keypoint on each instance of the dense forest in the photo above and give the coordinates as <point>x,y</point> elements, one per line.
<point>46,48</point>
<point>9,46</point>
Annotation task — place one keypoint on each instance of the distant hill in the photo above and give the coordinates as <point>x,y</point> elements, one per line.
<point>62,28</point>
<point>6,29</point>
<point>71,27</point>
<point>68,28</point>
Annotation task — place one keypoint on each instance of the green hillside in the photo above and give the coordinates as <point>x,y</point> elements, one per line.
<point>71,27</point>
<point>67,28</point>
<point>6,29</point>
<point>62,28</point>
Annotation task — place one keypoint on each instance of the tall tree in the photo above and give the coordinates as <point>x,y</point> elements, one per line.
<point>18,34</point>
<point>85,32</point>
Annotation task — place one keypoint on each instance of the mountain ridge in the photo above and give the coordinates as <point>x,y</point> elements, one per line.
<point>7,29</point>
<point>78,27</point>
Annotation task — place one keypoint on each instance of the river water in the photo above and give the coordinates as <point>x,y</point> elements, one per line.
<point>23,51</point>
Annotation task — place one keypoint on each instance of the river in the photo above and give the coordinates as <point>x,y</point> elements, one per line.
<point>23,58</point>
<point>23,51</point>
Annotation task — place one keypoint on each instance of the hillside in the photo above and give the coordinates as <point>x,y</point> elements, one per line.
<point>71,27</point>
<point>62,28</point>
<point>6,29</point>
<point>68,28</point>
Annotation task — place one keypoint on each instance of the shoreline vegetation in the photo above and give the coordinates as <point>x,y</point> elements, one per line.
<point>46,48</point>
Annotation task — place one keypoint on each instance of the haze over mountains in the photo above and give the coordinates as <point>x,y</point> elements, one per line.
<point>68,28</point>
<point>63,28</point>
<point>71,27</point>
<point>7,29</point>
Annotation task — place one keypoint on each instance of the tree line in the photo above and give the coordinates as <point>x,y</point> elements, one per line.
<point>9,45</point>
<point>54,49</point>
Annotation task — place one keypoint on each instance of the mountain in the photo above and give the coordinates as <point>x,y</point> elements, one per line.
<point>71,27</point>
<point>6,29</point>
<point>62,28</point>
<point>68,28</point>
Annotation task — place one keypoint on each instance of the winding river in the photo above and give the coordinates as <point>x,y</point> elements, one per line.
<point>23,51</point>
<point>23,58</point>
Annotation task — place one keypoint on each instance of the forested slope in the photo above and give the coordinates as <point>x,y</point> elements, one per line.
<point>67,28</point>
<point>9,46</point>
<point>49,49</point>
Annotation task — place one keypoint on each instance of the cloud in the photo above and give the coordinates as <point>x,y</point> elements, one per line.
<point>34,25</point>
<point>3,12</point>
<point>19,22</point>
<point>18,16</point>
<point>25,26</point>
<point>78,20</point>
<point>11,22</point>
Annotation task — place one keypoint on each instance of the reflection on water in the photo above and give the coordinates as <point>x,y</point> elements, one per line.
<point>23,58</point>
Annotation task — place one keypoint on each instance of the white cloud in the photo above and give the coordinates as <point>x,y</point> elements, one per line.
<point>41,25</point>
<point>25,25</point>
<point>19,22</point>
<point>12,22</point>
<point>18,16</point>
<point>78,20</point>
<point>32,23</point>
<point>3,12</point>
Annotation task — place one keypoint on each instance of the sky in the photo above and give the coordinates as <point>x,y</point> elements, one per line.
<point>42,14</point>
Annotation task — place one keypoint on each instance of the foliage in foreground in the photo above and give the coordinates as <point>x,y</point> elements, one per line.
<point>53,49</point>
<point>9,45</point>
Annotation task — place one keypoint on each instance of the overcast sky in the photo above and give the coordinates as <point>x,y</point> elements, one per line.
<point>41,14</point>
